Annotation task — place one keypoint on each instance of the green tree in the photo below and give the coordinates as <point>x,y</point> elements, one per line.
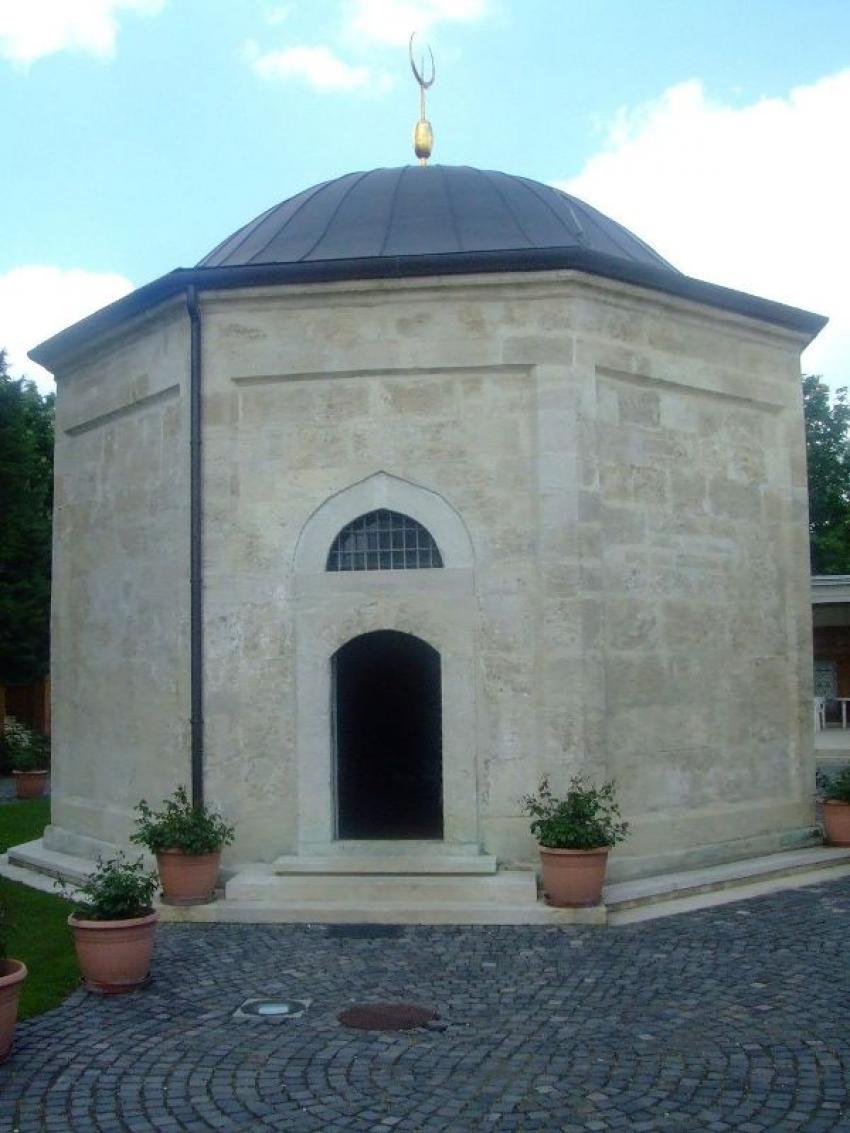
<point>26,504</point>
<point>828,457</point>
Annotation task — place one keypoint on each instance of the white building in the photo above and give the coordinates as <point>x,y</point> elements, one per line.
<point>424,483</point>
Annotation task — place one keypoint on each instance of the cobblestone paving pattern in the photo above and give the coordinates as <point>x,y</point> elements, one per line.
<point>730,1018</point>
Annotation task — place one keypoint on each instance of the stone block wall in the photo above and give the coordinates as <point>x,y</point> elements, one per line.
<point>120,581</point>
<point>627,469</point>
<point>630,474</point>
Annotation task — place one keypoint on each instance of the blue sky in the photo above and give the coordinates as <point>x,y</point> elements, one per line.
<point>138,133</point>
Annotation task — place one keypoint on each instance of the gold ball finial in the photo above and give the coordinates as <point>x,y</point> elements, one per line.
<point>423,135</point>
<point>423,139</point>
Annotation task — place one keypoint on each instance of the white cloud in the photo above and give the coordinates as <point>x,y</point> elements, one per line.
<point>391,21</point>
<point>31,29</point>
<point>752,197</point>
<point>38,301</point>
<point>318,66</point>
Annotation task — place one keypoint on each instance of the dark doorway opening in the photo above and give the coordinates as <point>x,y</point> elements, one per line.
<point>388,730</point>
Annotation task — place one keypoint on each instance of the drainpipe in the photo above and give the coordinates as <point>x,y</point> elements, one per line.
<point>196,594</point>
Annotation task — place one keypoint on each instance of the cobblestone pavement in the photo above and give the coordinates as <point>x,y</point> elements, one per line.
<point>730,1018</point>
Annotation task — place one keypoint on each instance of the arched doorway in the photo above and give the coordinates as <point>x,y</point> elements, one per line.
<point>388,737</point>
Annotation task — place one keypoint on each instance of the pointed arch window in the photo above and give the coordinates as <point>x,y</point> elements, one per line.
<point>383,540</point>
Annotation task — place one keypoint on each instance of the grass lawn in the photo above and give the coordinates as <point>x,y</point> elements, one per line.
<point>22,821</point>
<point>38,934</point>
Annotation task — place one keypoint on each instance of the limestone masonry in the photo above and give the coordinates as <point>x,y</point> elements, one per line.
<point>614,477</point>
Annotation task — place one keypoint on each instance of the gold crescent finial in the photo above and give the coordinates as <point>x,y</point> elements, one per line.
<point>423,135</point>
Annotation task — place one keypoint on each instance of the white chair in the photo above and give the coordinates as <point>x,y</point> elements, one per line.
<point>820,713</point>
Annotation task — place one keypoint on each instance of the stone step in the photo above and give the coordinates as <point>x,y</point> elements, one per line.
<point>36,857</point>
<point>361,890</point>
<point>410,864</point>
<point>392,848</point>
<point>24,875</point>
<point>261,894</point>
<point>674,886</point>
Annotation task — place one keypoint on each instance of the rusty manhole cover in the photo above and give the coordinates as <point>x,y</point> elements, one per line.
<point>386,1016</point>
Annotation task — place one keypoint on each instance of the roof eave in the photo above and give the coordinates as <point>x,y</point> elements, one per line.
<point>76,337</point>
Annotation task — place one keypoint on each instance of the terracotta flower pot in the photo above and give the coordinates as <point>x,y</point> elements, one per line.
<point>836,822</point>
<point>573,878</point>
<point>187,879</point>
<point>114,956</point>
<point>12,975</point>
<point>29,784</point>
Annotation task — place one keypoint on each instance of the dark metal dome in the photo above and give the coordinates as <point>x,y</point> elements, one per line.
<point>436,210</point>
<point>416,222</point>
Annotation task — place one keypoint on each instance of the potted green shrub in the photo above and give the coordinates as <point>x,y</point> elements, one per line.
<point>187,841</point>
<point>574,835</point>
<point>114,925</point>
<point>29,754</point>
<point>12,975</point>
<point>835,798</point>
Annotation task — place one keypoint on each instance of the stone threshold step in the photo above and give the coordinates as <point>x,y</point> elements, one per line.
<point>673,886</point>
<point>368,864</point>
<point>424,913</point>
<point>403,890</point>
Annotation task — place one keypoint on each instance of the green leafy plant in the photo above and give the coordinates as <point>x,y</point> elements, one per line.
<point>181,826</point>
<point>117,890</point>
<point>835,787</point>
<point>827,418</point>
<point>587,818</point>
<point>25,749</point>
<point>26,492</point>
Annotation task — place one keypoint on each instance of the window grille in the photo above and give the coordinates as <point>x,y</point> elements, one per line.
<point>383,540</point>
